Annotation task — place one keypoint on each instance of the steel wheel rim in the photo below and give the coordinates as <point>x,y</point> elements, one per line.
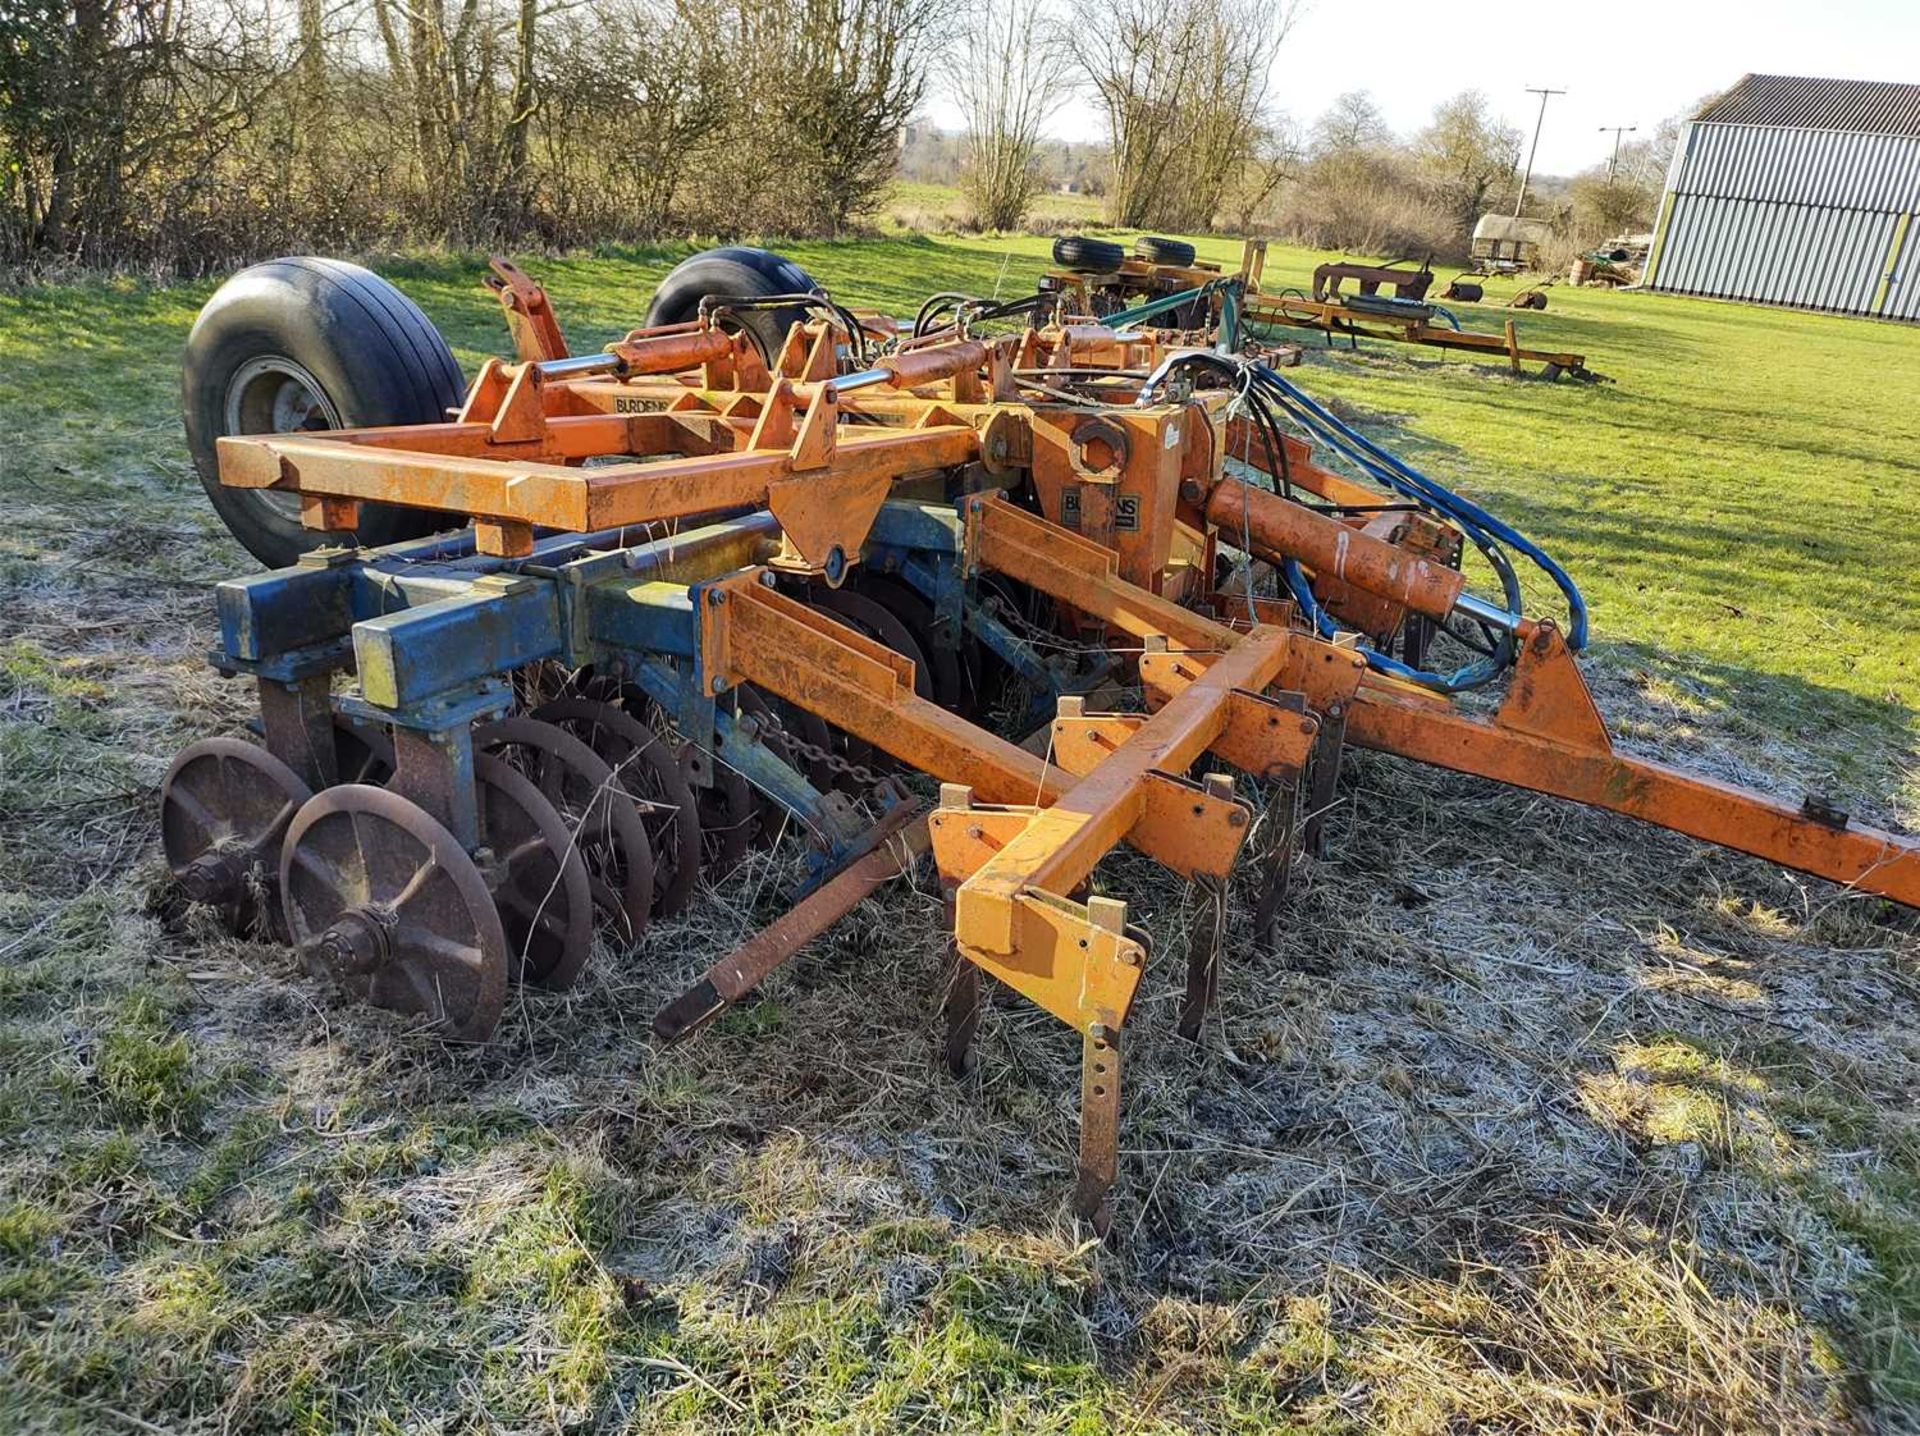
<point>272,394</point>
<point>607,829</point>
<point>225,806</point>
<point>650,773</point>
<point>540,887</point>
<point>359,857</point>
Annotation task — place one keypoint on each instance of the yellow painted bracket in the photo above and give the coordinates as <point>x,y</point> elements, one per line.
<point>1074,959</point>
<point>1016,866</point>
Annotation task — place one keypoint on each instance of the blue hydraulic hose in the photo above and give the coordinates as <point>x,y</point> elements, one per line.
<point>1405,479</point>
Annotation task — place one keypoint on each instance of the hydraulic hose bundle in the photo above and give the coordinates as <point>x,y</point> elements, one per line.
<point>1264,396</point>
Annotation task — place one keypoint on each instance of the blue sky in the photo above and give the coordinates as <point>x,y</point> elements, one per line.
<point>1624,65</point>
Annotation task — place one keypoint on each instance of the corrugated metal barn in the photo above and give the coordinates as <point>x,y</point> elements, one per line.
<point>1797,191</point>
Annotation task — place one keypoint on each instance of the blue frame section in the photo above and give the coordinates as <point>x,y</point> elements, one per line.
<point>432,626</point>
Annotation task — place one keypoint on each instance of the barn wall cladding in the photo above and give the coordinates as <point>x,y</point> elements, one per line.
<point>1796,191</point>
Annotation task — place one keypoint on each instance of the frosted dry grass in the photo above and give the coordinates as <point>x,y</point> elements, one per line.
<point>1537,1120</point>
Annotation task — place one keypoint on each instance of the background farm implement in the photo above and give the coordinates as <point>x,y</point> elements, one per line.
<point>1008,586</point>
<point>1096,277</point>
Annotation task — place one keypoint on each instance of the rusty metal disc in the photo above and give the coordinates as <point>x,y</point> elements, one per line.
<point>729,816</point>
<point>362,753</point>
<point>879,624</point>
<point>538,877</point>
<point>584,790</point>
<point>917,616</point>
<point>382,899</point>
<point>864,616</point>
<point>224,809</point>
<point>650,772</point>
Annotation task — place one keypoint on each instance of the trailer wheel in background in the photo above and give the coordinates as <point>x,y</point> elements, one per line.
<point>735,271</point>
<point>1155,250</point>
<point>1087,256</point>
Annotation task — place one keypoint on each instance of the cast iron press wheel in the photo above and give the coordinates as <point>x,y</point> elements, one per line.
<point>303,344</point>
<point>942,664</point>
<point>1087,256</point>
<point>735,272</point>
<point>538,877</point>
<point>382,899</point>
<point>224,808</point>
<point>607,827</point>
<point>362,753</point>
<point>649,771</point>
<point>1155,250</point>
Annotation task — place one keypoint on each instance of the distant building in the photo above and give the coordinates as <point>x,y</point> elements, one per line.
<point>1508,242</point>
<point>1796,191</point>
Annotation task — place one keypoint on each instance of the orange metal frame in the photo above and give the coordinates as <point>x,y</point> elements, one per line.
<point>1112,510</point>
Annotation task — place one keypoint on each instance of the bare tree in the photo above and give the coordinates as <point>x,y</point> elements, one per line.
<point>824,89</point>
<point>200,133</point>
<point>1007,74</point>
<point>1184,94</point>
<point>1352,122</point>
<point>1273,161</point>
<point>1467,156</point>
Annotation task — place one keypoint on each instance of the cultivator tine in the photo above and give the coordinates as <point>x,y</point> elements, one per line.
<point>1275,866</point>
<point>1205,930</point>
<point>1324,780</point>
<point>854,556</point>
<point>961,1002</point>
<point>1099,1165</point>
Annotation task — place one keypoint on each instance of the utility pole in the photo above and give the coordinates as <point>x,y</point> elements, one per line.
<point>1613,164</point>
<point>1534,147</point>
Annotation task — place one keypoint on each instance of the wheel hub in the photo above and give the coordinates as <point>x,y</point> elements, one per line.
<point>355,944</point>
<point>213,878</point>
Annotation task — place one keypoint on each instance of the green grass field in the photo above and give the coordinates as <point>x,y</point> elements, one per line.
<point>1539,1121</point>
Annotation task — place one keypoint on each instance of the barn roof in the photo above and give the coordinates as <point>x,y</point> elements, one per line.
<point>1802,102</point>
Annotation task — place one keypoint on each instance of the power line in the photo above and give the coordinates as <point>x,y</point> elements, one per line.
<point>1616,130</point>
<point>1539,120</point>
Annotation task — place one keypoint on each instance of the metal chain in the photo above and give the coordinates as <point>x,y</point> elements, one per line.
<point>859,773</point>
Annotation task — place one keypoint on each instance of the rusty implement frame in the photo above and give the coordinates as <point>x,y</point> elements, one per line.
<point>1335,318</point>
<point>700,555</point>
<point>1405,320</point>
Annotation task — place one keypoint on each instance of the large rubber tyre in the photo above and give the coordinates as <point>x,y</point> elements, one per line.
<point>1153,249</point>
<point>306,343</point>
<point>735,271</point>
<point>1087,256</point>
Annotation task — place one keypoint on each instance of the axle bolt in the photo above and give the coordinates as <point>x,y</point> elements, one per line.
<point>212,878</point>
